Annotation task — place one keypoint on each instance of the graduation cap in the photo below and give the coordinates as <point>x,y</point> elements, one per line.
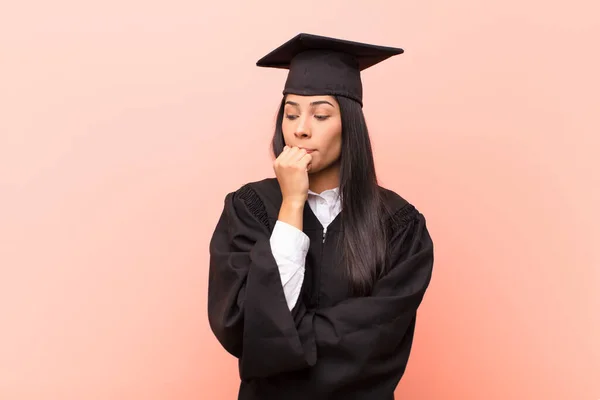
<point>320,65</point>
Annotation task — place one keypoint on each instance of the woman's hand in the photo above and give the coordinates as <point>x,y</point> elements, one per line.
<point>291,169</point>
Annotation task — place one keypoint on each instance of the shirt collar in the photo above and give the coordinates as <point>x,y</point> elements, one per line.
<point>334,191</point>
<point>330,195</point>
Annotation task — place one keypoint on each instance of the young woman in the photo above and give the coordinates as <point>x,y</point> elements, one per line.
<point>316,275</point>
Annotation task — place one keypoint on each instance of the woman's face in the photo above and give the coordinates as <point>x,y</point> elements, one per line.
<point>314,123</point>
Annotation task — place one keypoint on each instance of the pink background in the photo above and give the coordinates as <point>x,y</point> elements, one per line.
<point>123,124</point>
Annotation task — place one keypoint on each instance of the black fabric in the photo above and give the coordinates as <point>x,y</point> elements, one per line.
<point>320,65</point>
<point>331,345</point>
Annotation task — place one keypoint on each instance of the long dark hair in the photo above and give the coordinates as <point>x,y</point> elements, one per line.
<point>364,233</point>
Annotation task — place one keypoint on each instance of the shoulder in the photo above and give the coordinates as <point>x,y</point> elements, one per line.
<point>265,187</point>
<point>256,199</point>
<point>399,211</point>
<point>256,190</point>
<point>265,191</point>
<point>391,199</point>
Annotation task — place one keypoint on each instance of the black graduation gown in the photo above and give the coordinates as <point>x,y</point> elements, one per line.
<point>331,345</point>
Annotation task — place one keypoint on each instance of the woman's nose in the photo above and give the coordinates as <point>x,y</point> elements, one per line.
<point>303,128</point>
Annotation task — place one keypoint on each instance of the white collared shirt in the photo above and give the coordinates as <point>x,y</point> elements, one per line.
<point>290,245</point>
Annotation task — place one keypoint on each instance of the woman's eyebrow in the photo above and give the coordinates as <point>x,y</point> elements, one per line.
<point>314,103</point>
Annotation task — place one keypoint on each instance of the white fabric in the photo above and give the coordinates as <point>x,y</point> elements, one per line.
<point>290,245</point>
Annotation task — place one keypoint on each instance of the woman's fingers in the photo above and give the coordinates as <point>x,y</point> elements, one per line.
<point>306,161</point>
<point>292,154</point>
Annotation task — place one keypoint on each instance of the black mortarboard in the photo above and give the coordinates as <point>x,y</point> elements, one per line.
<point>320,65</point>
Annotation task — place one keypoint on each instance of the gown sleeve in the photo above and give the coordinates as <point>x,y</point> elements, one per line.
<point>361,339</point>
<point>247,308</point>
<point>367,340</point>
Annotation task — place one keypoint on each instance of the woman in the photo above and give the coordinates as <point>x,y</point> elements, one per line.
<point>316,275</point>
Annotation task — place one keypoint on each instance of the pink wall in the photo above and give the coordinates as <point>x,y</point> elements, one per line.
<point>115,118</point>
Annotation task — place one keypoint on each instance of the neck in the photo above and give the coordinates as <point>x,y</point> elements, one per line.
<point>326,179</point>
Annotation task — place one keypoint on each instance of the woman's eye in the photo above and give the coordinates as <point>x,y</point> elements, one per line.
<point>291,117</point>
<point>321,117</point>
